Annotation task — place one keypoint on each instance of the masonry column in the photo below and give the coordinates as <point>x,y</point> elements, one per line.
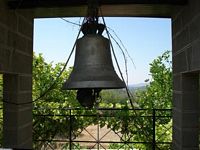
<point>185,112</point>
<point>186,69</point>
<point>17,125</point>
<point>16,55</point>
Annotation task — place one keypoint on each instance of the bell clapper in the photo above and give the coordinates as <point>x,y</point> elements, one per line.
<point>88,97</point>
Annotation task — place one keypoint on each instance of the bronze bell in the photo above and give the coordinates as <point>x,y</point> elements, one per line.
<point>93,68</point>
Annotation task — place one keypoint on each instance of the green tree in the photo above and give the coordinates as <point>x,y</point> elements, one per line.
<point>55,101</point>
<point>157,95</point>
<point>112,98</point>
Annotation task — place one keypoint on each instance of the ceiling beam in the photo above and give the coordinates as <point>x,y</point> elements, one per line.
<point>24,4</point>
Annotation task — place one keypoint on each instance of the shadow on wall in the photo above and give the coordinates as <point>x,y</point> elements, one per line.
<point>199,111</point>
<point>1,109</point>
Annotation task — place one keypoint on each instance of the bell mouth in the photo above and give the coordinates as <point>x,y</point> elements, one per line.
<point>93,85</point>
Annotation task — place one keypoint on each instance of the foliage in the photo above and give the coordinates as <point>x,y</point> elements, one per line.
<point>55,102</point>
<point>1,87</point>
<point>114,97</point>
<point>158,94</point>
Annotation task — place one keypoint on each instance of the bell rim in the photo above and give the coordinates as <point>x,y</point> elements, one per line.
<point>93,85</point>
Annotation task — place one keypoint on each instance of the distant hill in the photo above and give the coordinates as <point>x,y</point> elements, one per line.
<point>137,85</point>
<point>118,95</point>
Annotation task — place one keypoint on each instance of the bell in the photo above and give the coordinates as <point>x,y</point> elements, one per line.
<point>93,67</point>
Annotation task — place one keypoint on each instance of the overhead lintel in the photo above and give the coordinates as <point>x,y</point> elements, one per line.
<point>23,4</point>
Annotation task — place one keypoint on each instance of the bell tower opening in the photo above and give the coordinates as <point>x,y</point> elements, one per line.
<point>143,38</point>
<point>124,35</point>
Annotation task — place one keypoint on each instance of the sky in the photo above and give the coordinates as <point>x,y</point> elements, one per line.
<point>143,38</point>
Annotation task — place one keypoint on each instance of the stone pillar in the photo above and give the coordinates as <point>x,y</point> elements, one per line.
<point>17,125</point>
<point>185,112</point>
<point>186,68</point>
<point>16,54</point>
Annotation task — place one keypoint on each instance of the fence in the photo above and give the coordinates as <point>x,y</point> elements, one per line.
<point>75,128</point>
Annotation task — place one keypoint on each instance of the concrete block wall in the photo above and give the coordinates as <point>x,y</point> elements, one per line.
<point>186,68</point>
<point>16,38</point>
<point>16,53</point>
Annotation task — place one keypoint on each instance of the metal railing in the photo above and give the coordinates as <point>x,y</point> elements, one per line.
<point>103,128</point>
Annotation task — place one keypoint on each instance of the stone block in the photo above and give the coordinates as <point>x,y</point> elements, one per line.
<point>189,58</point>
<point>3,16</point>
<point>25,27</point>
<point>190,137</point>
<point>3,33</point>
<point>179,63</point>
<point>182,39</point>
<point>185,138</point>
<point>190,120</point>
<point>190,82</point>
<point>25,83</point>
<point>186,102</point>
<point>176,136</point>
<point>4,59</point>
<point>190,148</point>
<point>29,48</point>
<point>196,55</point>
<point>175,146</point>
<point>18,97</point>
<point>21,43</point>
<point>27,14</point>
<point>12,20</point>
<point>18,138</point>
<point>177,82</point>
<point>9,142</point>
<point>11,39</point>
<point>194,29</point>
<point>194,7</point>
<point>176,25</point>
<point>190,11</point>
<point>20,115</point>
<point>186,16</point>
<point>186,111</point>
<point>174,43</point>
<point>17,88</point>
<point>21,63</point>
<point>177,118</point>
<point>24,97</point>
<point>190,101</point>
<point>17,123</point>
<point>10,83</point>
<point>177,100</point>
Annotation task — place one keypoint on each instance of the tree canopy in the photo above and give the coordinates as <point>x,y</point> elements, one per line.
<point>157,94</point>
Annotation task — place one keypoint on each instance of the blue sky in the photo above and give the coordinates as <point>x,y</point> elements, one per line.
<point>144,39</point>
